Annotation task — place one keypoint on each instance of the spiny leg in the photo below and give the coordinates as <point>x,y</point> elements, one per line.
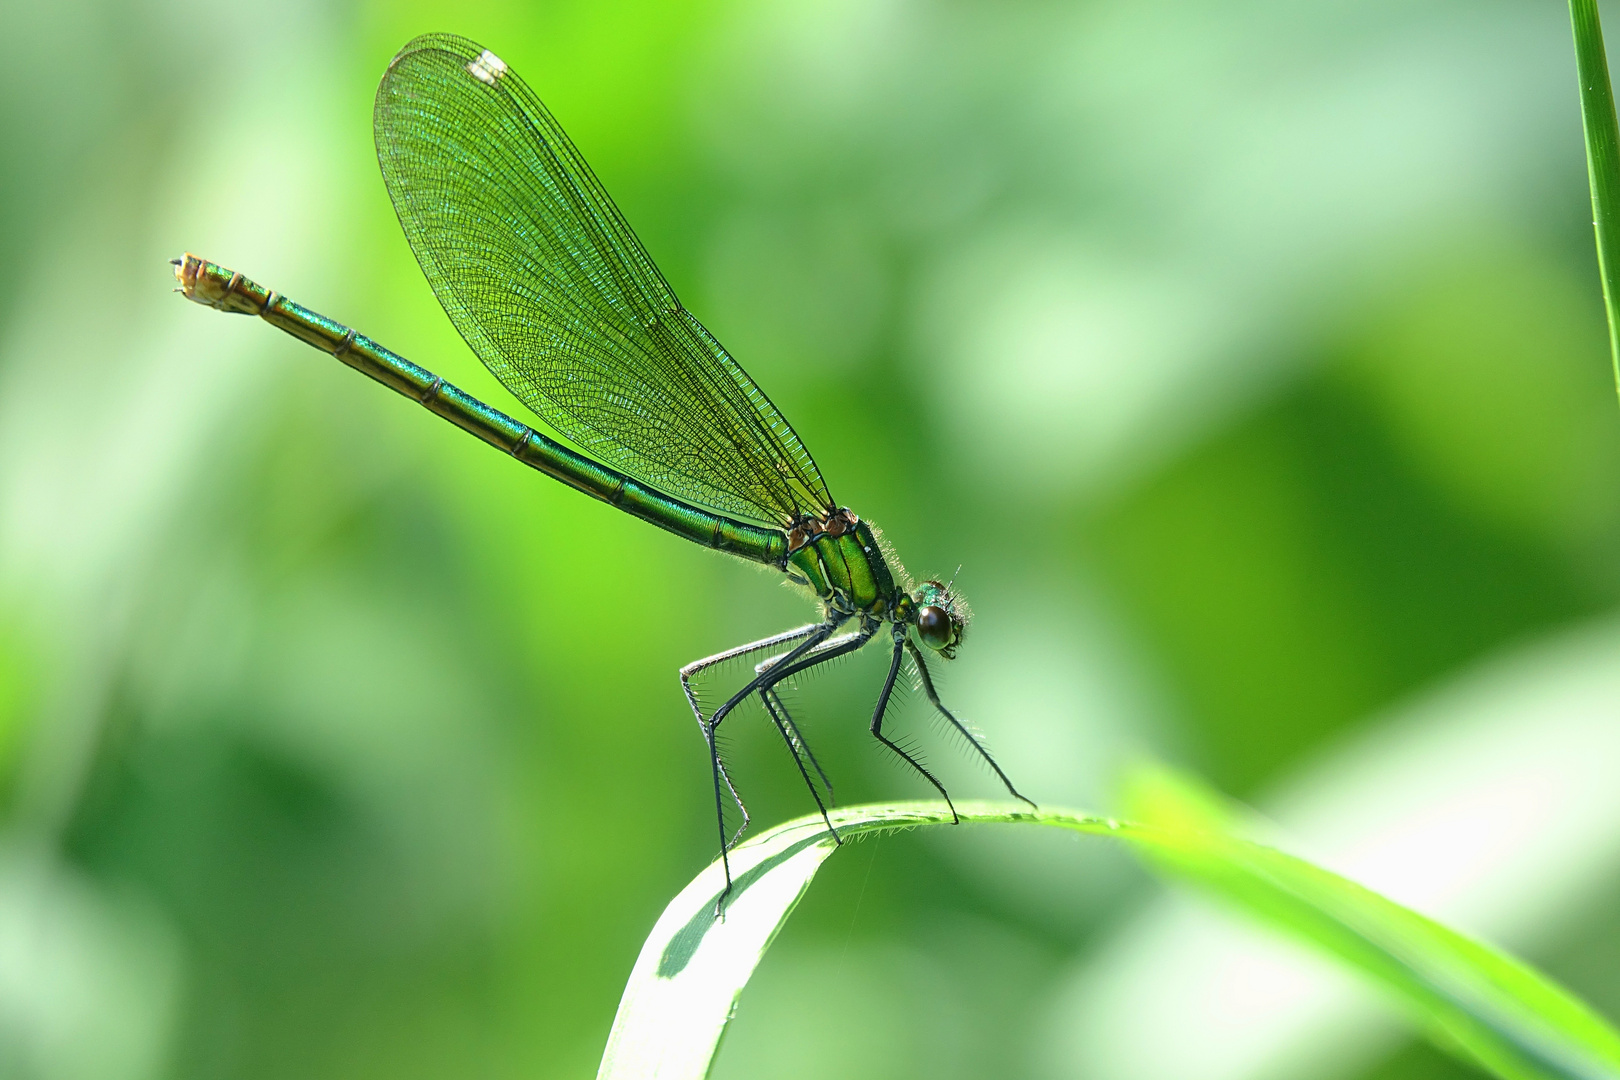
<point>798,739</point>
<point>811,636</point>
<point>697,667</point>
<point>973,740</point>
<point>716,762</point>
<point>774,672</point>
<point>791,665</point>
<point>877,724</point>
<point>814,658</point>
<point>796,746</point>
<point>718,768</point>
<point>794,661</point>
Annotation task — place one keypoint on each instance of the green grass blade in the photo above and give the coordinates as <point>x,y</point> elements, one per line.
<point>1602,156</point>
<point>692,967</point>
<point>1473,1000</point>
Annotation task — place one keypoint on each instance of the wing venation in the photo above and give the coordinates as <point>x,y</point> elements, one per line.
<point>547,283</point>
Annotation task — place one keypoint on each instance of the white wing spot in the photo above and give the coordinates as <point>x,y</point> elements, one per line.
<point>487,68</point>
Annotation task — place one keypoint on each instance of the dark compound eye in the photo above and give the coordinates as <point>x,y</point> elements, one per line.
<point>934,627</point>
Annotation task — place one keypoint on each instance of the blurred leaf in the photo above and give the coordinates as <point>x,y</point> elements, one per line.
<point>1485,368</point>
<point>1473,1000</point>
<point>19,679</point>
<point>1602,153</point>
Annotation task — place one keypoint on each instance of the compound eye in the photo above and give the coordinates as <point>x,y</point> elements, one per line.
<point>934,627</point>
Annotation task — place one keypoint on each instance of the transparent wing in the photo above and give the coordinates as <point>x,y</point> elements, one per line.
<point>549,286</point>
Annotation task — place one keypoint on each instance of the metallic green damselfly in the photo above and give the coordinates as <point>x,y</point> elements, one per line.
<point>549,286</point>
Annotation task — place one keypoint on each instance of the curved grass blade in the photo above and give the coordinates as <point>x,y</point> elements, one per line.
<point>1473,1000</point>
<point>685,984</point>
<point>1602,158</point>
<point>547,283</point>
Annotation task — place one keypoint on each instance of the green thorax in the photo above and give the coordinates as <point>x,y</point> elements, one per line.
<point>848,570</point>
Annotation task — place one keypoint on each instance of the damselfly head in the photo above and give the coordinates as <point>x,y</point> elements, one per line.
<point>942,617</point>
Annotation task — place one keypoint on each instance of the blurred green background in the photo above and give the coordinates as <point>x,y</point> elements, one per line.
<point>1248,357</point>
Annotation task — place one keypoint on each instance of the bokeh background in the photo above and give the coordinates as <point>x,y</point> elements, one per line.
<point>1247,357</point>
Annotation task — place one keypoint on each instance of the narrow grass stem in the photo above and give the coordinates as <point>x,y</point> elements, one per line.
<point>1602,156</point>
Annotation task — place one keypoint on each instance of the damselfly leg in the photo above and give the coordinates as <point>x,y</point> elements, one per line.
<point>877,724</point>
<point>716,761</point>
<point>967,733</point>
<point>773,699</point>
<point>800,751</point>
<point>808,638</point>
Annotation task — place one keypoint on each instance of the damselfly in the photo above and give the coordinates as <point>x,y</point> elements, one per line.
<point>549,286</point>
